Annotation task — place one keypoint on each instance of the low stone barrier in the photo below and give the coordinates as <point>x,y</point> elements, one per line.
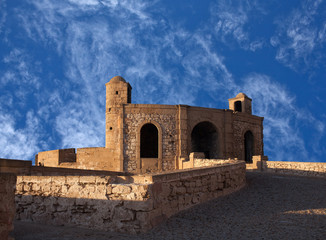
<point>7,204</point>
<point>314,169</point>
<point>204,162</point>
<point>122,203</point>
<point>197,159</point>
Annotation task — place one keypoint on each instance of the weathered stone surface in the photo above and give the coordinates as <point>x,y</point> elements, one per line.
<point>7,203</point>
<point>128,206</point>
<point>314,169</point>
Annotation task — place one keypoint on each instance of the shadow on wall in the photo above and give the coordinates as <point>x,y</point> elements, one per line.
<point>263,194</point>
<point>118,203</point>
<point>109,215</point>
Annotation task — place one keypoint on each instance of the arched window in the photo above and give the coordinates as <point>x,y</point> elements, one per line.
<point>149,141</point>
<point>238,106</point>
<point>249,146</point>
<point>204,138</point>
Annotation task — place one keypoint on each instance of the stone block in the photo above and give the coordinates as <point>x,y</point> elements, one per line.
<point>146,205</point>
<point>122,214</point>
<point>121,188</point>
<point>181,190</point>
<point>61,218</point>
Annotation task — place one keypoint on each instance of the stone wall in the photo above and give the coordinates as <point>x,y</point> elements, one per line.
<point>204,162</point>
<point>15,166</point>
<point>7,203</point>
<point>136,115</point>
<point>95,158</point>
<point>25,168</point>
<point>241,124</point>
<point>122,203</point>
<point>315,169</point>
<point>197,159</point>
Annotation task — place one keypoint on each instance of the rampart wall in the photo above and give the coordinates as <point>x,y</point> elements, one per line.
<point>197,159</point>
<point>314,169</point>
<point>96,158</point>
<point>25,168</point>
<point>204,162</point>
<point>122,203</point>
<point>7,203</point>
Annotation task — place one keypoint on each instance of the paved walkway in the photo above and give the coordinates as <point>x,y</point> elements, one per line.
<point>269,207</point>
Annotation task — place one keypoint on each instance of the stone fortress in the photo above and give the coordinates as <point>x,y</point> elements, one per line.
<point>142,138</point>
<point>157,160</point>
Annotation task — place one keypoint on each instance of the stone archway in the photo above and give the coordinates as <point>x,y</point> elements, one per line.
<point>204,138</point>
<point>249,146</point>
<point>149,147</point>
<point>149,141</point>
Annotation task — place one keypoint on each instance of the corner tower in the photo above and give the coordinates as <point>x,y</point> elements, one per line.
<point>241,103</point>
<point>118,93</point>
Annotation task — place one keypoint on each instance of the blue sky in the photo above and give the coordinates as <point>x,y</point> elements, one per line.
<point>56,56</point>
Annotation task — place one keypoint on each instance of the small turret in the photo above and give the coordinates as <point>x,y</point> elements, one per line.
<point>118,93</point>
<point>241,103</point>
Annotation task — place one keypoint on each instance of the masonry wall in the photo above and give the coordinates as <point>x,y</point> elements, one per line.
<point>96,158</point>
<point>7,203</point>
<point>121,203</point>
<point>241,124</point>
<point>221,119</point>
<point>15,166</point>
<point>137,115</point>
<point>315,169</point>
<point>231,127</point>
<point>202,162</point>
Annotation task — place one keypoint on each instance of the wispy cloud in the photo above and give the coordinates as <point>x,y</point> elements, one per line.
<point>94,40</point>
<point>19,143</point>
<point>3,14</point>
<point>299,37</point>
<point>283,119</point>
<point>230,20</point>
<point>94,48</point>
<point>20,130</point>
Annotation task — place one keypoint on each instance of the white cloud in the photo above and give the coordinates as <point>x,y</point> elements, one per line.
<point>80,127</point>
<point>255,45</point>
<point>93,49</point>
<point>99,39</point>
<point>19,143</point>
<point>231,19</point>
<point>97,48</point>
<point>3,14</point>
<point>281,118</point>
<point>20,70</point>
<point>299,36</point>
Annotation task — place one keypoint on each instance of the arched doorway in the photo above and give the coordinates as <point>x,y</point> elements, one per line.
<point>204,138</point>
<point>249,146</point>
<point>149,141</point>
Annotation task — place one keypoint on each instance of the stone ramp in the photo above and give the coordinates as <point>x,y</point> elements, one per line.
<point>269,207</point>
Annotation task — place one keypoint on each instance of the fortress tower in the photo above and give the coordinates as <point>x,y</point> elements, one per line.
<point>118,93</point>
